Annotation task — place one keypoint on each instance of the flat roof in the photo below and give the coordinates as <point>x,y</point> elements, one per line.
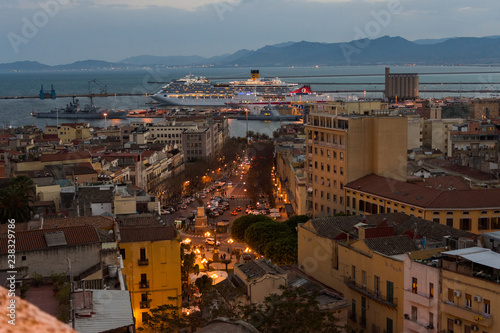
<point>477,255</point>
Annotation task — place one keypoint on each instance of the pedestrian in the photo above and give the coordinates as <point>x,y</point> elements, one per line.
<point>228,251</point>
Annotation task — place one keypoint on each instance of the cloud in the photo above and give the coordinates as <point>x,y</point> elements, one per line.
<point>141,4</point>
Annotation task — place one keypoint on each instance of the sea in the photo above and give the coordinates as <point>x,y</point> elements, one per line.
<point>435,82</point>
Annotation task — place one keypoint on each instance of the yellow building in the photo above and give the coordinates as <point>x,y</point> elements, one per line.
<point>152,266</point>
<point>363,258</point>
<point>475,211</point>
<point>341,149</point>
<point>470,291</point>
<point>73,131</point>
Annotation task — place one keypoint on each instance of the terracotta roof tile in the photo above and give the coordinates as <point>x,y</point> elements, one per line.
<point>144,234</point>
<point>35,239</point>
<point>65,156</point>
<point>391,245</point>
<point>424,197</point>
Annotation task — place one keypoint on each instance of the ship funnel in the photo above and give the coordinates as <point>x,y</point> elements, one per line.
<point>254,74</point>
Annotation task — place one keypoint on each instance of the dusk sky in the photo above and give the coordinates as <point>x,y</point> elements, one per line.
<point>63,31</point>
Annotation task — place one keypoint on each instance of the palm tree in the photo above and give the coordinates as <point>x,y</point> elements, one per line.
<point>15,204</point>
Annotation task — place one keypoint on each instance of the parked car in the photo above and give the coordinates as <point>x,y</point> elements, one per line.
<point>183,206</point>
<point>238,209</point>
<point>234,213</point>
<point>164,211</point>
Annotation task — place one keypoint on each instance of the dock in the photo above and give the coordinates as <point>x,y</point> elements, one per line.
<point>74,95</point>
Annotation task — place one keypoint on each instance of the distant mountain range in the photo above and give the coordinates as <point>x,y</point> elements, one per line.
<point>381,51</point>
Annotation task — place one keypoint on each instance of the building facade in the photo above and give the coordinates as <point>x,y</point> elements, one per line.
<point>341,149</point>
<point>475,211</point>
<point>152,266</point>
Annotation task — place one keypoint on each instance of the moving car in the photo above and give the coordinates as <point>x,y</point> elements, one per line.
<point>211,241</point>
<point>234,213</point>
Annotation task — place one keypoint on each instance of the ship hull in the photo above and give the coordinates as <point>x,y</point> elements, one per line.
<point>80,115</point>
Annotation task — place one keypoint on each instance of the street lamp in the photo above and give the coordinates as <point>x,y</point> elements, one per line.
<point>105,118</point>
<point>230,241</point>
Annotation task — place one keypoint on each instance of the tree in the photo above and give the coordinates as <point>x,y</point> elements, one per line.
<point>295,310</point>
<point>294,221</point>
<point>188,266</point>
<point>283,251</point>
<point>204,283</point>
<point>15,200</point>
<point>165,318</point>
<point>262,233</point>
<point>241,224</point>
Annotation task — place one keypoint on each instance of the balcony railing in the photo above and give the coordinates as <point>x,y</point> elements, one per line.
<point>144,284</point>
<point>144,305</point>
<point>467,314</point>
<point>143,262</point>
<point>372,294</point>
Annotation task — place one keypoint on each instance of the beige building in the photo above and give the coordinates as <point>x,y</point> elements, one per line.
<point>363,258</point>
<point>291,175</point>
<point>484,108</point>
<point>73,131</point>
<point>341,149</point>
<point>436,133</point>
<point>415,134</point>
<point>261,278</point>
<point>470,291</point>
<point>366,108</point>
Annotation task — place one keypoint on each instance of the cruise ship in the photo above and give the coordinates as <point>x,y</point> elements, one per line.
<point>299,96</point>
<point>199,91</point>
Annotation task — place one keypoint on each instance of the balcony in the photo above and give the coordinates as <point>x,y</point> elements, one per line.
<point>374,295</point>
<point>467,314</point>
<point>143,262</point>
<point>419,299</point>
<point>144,284</point>
<point>415,326</point>
<point>144,305</point>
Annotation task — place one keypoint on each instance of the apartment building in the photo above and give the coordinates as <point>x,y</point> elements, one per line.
<point>341,149</point>
<point>152,266</point>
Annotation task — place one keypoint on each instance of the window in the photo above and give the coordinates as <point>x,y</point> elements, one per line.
<point>483,223</point>
<point>143,254</point>
<point>389,326</point>
<point>363,278</point>
<point>348,201</point>
<point>353,310</point>
<point>486,307</point>
<point>451,297</point>
<point>23,258</point>
<point>145,316</point>
<point>436,219</point>
<point>468,301</point>
<point>414,285</point>
<point>414,313</point>
<point>431,290</point>
<point>122,253</point>
<point>431,319</point>
<point>376,286</point>
<point>465,223</point>
<point>353,270</point>
<point>449,222</point>
<point>390,291</point>
<point>495,223</point>
<point>353,203</point>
